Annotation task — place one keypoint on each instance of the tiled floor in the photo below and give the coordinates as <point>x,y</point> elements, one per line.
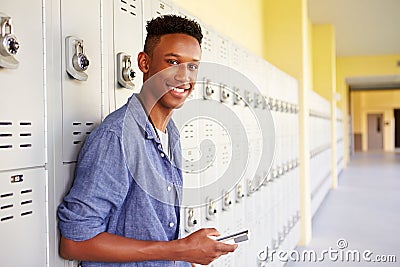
<point>364,211</point>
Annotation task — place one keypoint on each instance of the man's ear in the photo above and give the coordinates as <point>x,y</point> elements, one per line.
<point>143,62</point>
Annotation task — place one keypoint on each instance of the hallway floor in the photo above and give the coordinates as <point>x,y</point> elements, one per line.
<point>364,211</point>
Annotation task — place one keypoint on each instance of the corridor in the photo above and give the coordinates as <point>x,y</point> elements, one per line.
<point>363,211</point>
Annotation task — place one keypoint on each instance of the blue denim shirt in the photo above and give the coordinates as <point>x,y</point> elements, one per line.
<point>125,185</point>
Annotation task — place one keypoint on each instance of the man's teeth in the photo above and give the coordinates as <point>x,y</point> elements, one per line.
<point>178,90</point>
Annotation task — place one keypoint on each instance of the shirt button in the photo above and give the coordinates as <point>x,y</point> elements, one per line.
<point>171,224</point>
<point>162,154</point>
<point>169,188</point>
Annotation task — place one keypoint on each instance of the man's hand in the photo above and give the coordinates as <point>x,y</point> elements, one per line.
<point>200,248</point>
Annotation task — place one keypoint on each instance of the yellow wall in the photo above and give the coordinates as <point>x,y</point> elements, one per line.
<point>310,52</point>
<point>362,66</point>
<point>370,102</point>
<point>240,20</point>
<point>283,37</point>
<point>324,60</point>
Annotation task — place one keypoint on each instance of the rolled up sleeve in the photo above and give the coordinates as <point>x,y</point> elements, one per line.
<point>100,187</point>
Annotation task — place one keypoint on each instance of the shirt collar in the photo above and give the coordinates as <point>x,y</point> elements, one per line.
<point>140,116</point>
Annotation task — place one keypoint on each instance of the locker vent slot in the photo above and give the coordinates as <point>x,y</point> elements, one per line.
<point>26,191</point>
<point>235,57</point>
<point>223,50</point>
<point>26,213</point>
<point>6,218</point>
<point>25,145</point>
<point>6,206</point>
<point>207,43</point>
<point>6,135</point>
<point>80,131</point>
<point>25,123</point>
<point>25,134</point>
<point>26,202</point>
<point>128,7</point>
<point>6,195</point>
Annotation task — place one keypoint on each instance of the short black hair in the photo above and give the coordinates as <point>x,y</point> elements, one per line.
<point>169,24</point>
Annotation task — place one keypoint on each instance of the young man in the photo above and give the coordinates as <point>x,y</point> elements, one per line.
<point>112,215</point>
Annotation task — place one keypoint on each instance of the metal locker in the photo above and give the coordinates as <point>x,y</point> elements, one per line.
<point>208,45</point>
<point>127,36</point>
<point>191,168</point>
<point>81,98</point>
<point>75,101</point>
<point>60,187</point>
<point>156,8</point>
<point>23,217</point>
<point>223,52</point>
<point>22,105</point>
<point>239,220</point>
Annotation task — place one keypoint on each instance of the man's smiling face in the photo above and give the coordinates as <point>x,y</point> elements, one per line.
<point>172,69</point>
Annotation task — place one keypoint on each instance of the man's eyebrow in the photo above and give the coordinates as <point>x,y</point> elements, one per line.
<point>179,56</point>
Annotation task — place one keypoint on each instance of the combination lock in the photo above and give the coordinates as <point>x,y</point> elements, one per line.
<point>227,202</point>
<point>9,44</point>
<point>191,221</point>
<point>250,187</point>
<point>239,193</point>
<point>211,209</point>
<point>208,90</point>
<point>248,98</point>
<point>76,60</point>
<point>129,74</point>
<point>126,74</point>
<point>224,93</point>
<point>80,60</point>
<point>237,97</point>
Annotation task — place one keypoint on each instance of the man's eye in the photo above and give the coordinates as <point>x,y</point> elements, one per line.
<point>172,61</point>
<point>193,67</point>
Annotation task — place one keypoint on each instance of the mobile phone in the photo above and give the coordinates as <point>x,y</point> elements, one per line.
<point>235,238</point>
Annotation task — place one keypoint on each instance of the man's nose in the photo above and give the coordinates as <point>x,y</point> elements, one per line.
<point>182,73</point>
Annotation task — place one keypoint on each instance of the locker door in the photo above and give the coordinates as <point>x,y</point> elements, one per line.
<point>128,42</point>
<point>23,218</point>
<point>81,99</point>
<point>22,92</point>
<point>208,45</point>
<point>223,50</point>
<point>159,8</point>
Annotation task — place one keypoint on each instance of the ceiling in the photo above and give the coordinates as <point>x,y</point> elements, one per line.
<point>362,27</point>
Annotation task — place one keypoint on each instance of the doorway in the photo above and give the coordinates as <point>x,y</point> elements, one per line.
<point>397,128</point>
<point>375,131</point>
